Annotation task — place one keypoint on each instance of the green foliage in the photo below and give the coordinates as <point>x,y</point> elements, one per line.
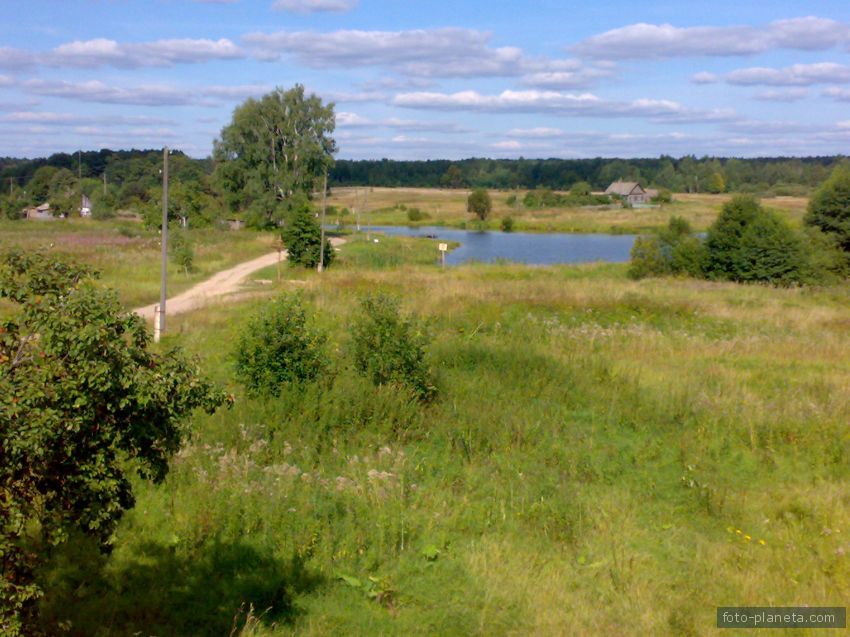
<point>82,403</point>
<point>663,196</point>
<point>829,207</point>
<point>511,200</point>
<point>581,189</point>
<point>275,147</point>
<point>673,250</point>
<point>716,183</point>
<point>415,214</point>
<point>453,177</point>
<point>507,224</point>
<point>279,346</point>
<point>748,243</point>
<point>479,203</point>
<point>389,348</point>
<point>181,251</point>
<point>302,237</point>
<point>103,205</point>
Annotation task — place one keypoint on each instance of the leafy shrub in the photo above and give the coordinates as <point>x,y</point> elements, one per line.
<point>674,250</point>
<point>389,348</point>
<point>280,345</point>
<point>81,406</point>
<point>825,261</point>
<point>415,214</point>
<point>511,200</point>
<point>507,224</point>
<point>580,189</point>
<point>749,243</point>
<point>302,237</point>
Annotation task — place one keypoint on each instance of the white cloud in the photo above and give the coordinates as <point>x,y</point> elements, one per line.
<point>95,91</point>
<point>704,77</point>
<point>836,93</point>
<point>346,119</point>
<point>314,6</point>
<point>104,52</point>
<point>644,40</point>
<point>540,131</point>
<point>422,53</point>
<point>782,95</point>
<point>796,75</point>
<point>564,104</point>
<point>49,118</point>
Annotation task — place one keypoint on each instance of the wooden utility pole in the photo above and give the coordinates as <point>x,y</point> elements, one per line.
<point>161,312</point>
<point>324,209</point>
<point>104,183</point>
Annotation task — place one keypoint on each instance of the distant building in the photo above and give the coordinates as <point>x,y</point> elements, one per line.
<point>85,207</point>
<point>40,212</point>
<point>630,191</point>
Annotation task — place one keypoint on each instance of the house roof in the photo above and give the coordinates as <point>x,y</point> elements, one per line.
<point>624,188</point>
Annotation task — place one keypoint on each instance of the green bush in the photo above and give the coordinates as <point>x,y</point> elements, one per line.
<point>280,345</point>
<point>580,189</point>
<point>511,200</point>
<point>674,250</point>
<point>507,224</point>
<point>663,196</point>
<point>389,348</point>
<point>302,237</point>
<point>748,243</point>
<point>415,214</point>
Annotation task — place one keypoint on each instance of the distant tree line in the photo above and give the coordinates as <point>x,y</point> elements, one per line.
<point>767,175</point>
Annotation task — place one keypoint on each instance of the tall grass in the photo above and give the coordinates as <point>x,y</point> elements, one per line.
<point>605,457</point>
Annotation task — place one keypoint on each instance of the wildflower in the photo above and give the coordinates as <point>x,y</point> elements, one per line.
<point>738,531</point>
<point>747,538</point>
<point>762,542</point>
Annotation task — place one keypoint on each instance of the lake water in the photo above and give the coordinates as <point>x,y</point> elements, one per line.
<point>522,247</point>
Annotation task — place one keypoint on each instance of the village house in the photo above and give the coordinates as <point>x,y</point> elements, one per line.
<point>631,192</point>
<point>39,212</point>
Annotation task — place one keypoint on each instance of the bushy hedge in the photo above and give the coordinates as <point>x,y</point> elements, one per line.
<point>673,250</point>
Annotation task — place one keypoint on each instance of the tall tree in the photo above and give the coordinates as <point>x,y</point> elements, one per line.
<point>275,148</point>
<point>829,208</point>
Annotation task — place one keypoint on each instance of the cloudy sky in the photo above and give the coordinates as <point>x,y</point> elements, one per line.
<point>433,79</point>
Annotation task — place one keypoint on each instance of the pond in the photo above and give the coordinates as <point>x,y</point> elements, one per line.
<point>522,247</point>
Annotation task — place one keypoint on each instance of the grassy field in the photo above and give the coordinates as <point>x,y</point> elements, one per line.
<point>605,457</point>
<point>129,256</point>
<point>448,207</point>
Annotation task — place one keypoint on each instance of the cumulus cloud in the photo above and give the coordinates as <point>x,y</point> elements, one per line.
<point>49,118</point>
<point>95,91</point>
<point>644,40</point>
<point>563,104</point>
<point>314,6</point>
<point>444,52</point>
<point>795,75</point>
<point>782,95</point>
<point>704,77</point>
<point>538,131</point>
<point>104,52</point>
<point>836,93</point>
<point>346,119</point>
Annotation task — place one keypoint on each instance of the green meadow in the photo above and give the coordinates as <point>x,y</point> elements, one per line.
<point>604,457</point>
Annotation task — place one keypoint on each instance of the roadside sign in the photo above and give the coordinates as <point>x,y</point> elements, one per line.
<point>443,247</point>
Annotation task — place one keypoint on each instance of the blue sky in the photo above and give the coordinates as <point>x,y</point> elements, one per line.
<point>426,80</point>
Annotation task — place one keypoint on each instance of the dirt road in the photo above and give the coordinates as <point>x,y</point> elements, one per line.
<point>219,285</point>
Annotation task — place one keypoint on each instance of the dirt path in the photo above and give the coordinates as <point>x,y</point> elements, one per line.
<point>219,285</point>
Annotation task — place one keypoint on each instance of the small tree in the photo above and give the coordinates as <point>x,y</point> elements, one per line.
<point>479,203</point>
<point>673,250</point>
<point>280,346</point>
<point>302,237</point>
<point>181,251</point>
<point>829,207</point>
<point>580,189</point>
<point>82,403</point>
<point>389,348</point>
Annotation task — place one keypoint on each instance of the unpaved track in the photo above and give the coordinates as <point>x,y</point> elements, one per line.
<point>219,285</point>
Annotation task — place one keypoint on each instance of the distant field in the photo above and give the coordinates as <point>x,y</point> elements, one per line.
<point>448,207</point>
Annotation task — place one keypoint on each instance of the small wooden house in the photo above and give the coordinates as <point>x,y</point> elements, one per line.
<point>630,191</point>
<point>40,212</point>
